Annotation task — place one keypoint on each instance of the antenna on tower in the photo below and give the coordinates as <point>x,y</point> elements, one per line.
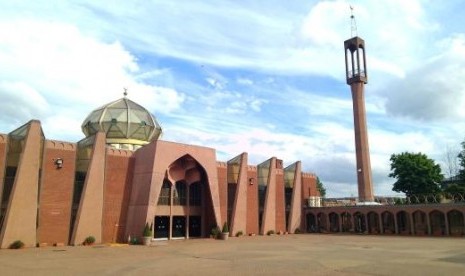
<point>353,23</point>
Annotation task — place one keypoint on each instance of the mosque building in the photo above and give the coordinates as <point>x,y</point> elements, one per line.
<point>122,176</point>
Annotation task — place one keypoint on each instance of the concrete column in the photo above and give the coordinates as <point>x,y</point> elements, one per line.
<point>90,213</point>
<point>296,202</point>
<point>239,212</point>
<point>170,235</point>
<point>269,210</point>
<point>412,224</point>
<point>317,224</point>
<point>381,227</point>
<point>365,187</point>
<point>21,214</point>
<point>188,204</point>
<point>366,222</point>
<point>428,224</point>
<point>446,221</point>
<point>396,227</point>
<point>340,223</point>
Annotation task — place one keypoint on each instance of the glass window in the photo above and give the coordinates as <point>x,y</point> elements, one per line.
<point>179,195</point>
<point>195,194</point>
<point>164,198</point>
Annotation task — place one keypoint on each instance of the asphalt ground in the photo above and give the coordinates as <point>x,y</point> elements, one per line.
<point>303,254</point>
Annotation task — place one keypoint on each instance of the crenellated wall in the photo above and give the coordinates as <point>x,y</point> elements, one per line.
<point>56,192</point>
<point>121,189</point>
<point>119,169</point>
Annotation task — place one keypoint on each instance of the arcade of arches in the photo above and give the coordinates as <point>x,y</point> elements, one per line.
<point>438,220</point>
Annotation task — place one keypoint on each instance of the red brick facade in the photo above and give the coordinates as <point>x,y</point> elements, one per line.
<point>120,192</point>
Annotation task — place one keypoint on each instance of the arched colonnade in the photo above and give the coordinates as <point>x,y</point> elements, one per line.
<point>411,220</point>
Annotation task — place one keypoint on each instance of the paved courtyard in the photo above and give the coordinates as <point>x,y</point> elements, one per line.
<point>260,255</point>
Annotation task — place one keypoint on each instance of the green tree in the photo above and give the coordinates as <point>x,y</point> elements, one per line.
<point>461,158</point>
<point>416,174</point>
<point>320,187</point>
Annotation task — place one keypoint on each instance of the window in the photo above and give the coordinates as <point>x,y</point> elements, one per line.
<point>164,198</point>
<point>195,194</point>
<point>180,193</point>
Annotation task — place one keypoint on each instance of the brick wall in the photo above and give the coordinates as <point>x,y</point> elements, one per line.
<point>223,191</point>
<point>56,191</point>
<point>252,202</point>
<point>280,202</point>
<point>117,189</point>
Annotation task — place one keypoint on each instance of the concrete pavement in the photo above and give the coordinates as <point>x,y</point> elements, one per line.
<point>305,254</point>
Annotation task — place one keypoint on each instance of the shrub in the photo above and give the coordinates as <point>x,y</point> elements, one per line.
<point>89,240</point>
<point>17,245</point>
<point>239,233</point>
<point>147,231</point>
<point>215,232</point>
<point>133,241</point>
<point>270,232</point>
<point>225,228</point>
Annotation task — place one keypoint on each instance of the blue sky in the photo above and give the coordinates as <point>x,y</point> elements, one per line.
<point>265,77</point>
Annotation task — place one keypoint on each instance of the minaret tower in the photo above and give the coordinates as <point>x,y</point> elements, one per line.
<point>356,76</point>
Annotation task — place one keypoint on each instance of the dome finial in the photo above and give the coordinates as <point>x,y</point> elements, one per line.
<point>125,92</point>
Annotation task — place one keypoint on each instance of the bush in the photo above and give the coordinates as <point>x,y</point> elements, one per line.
<point>215,233</point>
<point>239,233</point>
<point>270,232</point>
<point>225,228</point>
<point>133,241</point>
<point>147,231</point>
<point>89,240</point>
<point>17,245</point>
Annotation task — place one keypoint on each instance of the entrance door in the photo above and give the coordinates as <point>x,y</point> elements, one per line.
<point>162,226</point>
<point>194,226</point>
<point>179,227</point>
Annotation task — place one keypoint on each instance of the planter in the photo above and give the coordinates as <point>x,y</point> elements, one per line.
<point>147,240</point>
<point>225,236</point>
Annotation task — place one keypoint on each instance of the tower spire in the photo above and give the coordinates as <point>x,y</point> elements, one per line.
<point>356,77</point>
<point>353,23</point>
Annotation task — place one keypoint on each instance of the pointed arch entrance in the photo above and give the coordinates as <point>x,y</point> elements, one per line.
<point>183,209</point>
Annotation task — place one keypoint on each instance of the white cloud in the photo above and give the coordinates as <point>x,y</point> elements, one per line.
<point>435,89</point>
<point>245,81</point>
<point>48,67</point>
<point>239,87</point>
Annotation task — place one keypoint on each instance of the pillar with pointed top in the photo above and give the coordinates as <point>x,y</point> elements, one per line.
<point>356,77</point>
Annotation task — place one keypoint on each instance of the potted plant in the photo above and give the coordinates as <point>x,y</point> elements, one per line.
<point>225,232</point>
<point>147,235</point>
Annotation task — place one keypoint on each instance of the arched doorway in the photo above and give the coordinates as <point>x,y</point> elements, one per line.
<point>419,223</point>
<point>389,226</point>
<point>403,223</point>
<point>437,223</point>
<point>182,210</point>
<point>311,223</point>
<point>322,223</point>
<point>333,222</point>
<point>373,223</point>
<point>359,223</point>
<point>456,223</point>
<point>346,218</point>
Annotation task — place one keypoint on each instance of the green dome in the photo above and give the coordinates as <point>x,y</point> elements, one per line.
<point>127,124</point>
